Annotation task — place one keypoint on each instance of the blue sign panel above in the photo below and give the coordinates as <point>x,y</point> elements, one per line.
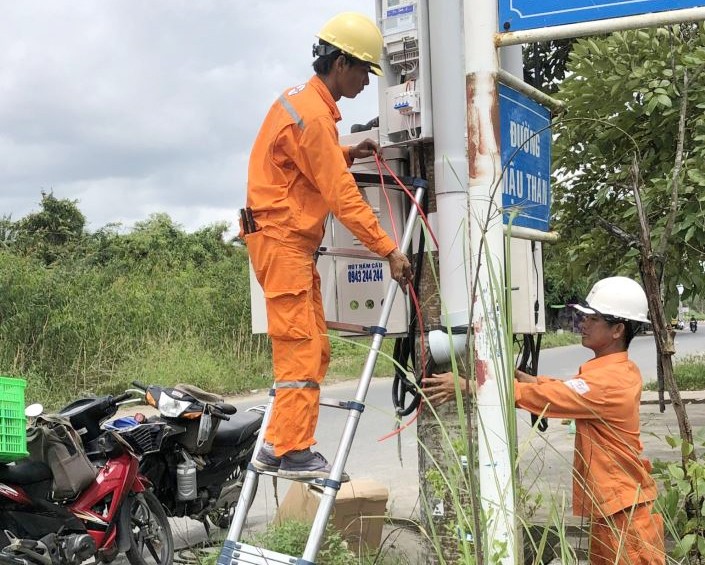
<point>515,15</point>
<point>525,146</point>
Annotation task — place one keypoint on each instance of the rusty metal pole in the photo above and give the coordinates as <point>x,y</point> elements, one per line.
<point>488,350</point>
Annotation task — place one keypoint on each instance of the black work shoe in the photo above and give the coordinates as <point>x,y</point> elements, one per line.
<point>266,460</point>
<point>306,464</point>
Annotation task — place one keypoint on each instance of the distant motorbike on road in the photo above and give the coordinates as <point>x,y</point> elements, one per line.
<point>204,445</point>
<point>110,511</point>
<point>693,325</point>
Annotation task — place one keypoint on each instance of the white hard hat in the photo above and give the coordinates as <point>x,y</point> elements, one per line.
<point>620,297</point>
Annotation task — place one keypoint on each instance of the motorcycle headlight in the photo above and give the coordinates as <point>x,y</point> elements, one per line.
<point>172,408</point>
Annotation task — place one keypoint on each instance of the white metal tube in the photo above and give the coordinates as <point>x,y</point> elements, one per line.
<point>514,81</point>
<point>443,346</point>
<point>598,27</point>
<point>487,254</point>
<point>450,158</point>
<point>520,232</point>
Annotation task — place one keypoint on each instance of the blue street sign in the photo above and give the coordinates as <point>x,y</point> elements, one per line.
<point>525,146</point>
<point>515,15</point>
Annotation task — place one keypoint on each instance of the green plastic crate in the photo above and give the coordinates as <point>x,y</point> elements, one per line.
<point>13,435</point>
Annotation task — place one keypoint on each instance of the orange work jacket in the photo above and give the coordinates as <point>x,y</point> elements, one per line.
<point>298,173</point>
<point>604,400</point>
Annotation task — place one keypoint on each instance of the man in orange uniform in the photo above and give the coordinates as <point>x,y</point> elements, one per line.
<point>298,173</point>
<point>611,483</point>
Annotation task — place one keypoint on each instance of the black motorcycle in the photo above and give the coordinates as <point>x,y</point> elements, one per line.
<point>693,326</point>
<point>196,451</point>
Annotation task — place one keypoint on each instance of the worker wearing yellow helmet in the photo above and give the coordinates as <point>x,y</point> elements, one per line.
<point>298,174</point>
<point>355,35</point>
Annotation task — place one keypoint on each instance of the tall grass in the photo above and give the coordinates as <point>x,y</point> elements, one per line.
<point>689,373</point>
<point>74,329</point>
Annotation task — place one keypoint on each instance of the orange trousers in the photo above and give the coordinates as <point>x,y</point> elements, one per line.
<point>300,346</point>
<point>633,536</point>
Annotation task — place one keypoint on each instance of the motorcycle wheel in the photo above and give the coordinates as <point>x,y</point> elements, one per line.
<point>222,516</point>
<point>151,542</point>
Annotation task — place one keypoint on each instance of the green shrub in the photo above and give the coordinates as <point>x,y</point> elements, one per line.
<point>79,325</point>
<point>554,339</point>
<point>681,500</point>
<point>689,373</point>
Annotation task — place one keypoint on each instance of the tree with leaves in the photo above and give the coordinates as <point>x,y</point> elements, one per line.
<point>51,231</point>
<point>629,170</point>
<point>633,93</point>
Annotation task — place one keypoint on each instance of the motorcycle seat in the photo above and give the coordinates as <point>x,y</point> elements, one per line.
<point>199,394</point>
<point>25,472</point>
<point>234,431</point>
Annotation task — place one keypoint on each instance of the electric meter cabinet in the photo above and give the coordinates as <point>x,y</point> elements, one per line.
<point>405,89</point>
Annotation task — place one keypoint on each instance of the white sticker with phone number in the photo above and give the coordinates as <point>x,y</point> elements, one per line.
<point>578,385</point>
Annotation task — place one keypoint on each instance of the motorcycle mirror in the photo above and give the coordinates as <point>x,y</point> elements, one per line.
<point>33,410</point>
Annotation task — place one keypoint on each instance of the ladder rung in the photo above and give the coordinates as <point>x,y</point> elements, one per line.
<point>251,555</point>
<point>335,403</point>
<point>345,327</point>
<point>349,252</point>
<point>373,179</point>
<point>312,482</point>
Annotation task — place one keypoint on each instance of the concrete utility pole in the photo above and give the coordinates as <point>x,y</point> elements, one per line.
<point>494,384</point>
<point>467,167</point>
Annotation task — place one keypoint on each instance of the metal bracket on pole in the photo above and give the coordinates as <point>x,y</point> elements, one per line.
<point>598,27</point>
<point>508,79</point>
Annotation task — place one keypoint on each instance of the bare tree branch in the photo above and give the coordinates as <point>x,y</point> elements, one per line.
<point>677,167</point>
<point>618,232</point>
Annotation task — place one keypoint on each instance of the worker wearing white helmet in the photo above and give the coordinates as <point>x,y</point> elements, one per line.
<point>612,485</point>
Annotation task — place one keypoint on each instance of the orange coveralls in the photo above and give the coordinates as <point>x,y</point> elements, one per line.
<point>611,483</point>
<point>298,173</point>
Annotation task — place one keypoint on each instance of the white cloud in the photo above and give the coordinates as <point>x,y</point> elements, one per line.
<point>136,107</point>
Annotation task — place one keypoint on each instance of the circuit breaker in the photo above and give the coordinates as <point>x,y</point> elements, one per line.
<point>405,89</point>
<point>354,289</point>
<point>528,305</point>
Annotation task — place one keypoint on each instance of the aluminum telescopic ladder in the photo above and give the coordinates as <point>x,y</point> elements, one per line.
<point>236,552</point>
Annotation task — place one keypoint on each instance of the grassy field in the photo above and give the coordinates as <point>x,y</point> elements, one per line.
<point>689,373</point>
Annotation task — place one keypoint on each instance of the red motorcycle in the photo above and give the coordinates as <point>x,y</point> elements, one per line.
<point>116,513</point>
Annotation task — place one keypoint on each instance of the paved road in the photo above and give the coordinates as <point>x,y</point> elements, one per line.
<point>564,361</point>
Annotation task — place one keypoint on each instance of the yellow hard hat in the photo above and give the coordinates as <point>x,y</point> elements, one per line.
<point>356,35</point>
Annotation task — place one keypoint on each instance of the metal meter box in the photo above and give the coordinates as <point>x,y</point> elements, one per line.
<point>528,305</point>
<point>405,89</point>
<point>353,289</point>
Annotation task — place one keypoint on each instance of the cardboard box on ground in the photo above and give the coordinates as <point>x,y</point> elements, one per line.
<point>358,513</point>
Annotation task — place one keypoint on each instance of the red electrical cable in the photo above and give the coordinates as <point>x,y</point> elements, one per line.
<point>408,193</point>
<point>380,161</point>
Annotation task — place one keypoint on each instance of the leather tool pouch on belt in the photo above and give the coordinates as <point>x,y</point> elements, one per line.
<point>247,221</point>
<point>54,442</point>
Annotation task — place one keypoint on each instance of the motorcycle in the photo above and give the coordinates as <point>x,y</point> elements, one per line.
<point>205,447</point>
<point>693,326</point>
<point>115,513</point>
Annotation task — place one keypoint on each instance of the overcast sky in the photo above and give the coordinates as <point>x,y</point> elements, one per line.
<point>133,107</point>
